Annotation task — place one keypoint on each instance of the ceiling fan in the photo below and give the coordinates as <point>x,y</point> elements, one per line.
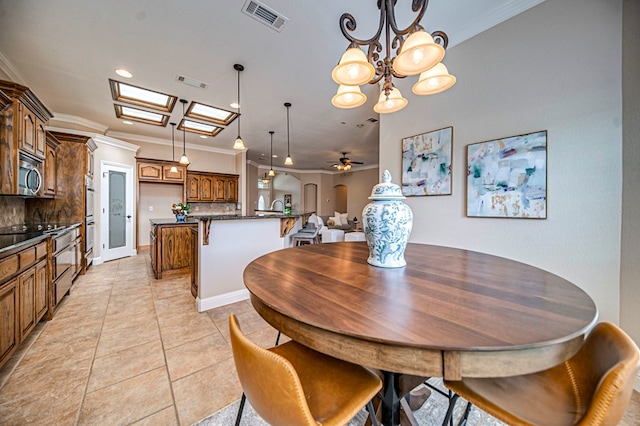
<point>344,163</point>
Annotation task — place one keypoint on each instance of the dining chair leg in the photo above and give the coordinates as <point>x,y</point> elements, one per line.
<point>448,418</point>
<point>372,413</point>
<point>465,417</point>
<point>239,416</point>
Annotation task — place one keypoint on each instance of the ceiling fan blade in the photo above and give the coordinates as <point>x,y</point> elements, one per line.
<point>357,162</point>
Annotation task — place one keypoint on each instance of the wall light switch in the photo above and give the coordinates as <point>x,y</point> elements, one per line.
<point>150,208</point>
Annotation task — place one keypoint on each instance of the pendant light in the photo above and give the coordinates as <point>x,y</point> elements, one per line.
<point>288,161</point>
<point>271,172</point>
<point>265,179</point>
<point>239,143</point>
<point>174,169</point>
<point>184,159</point>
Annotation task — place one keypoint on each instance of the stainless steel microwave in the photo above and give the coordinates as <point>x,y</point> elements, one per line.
<point>29,176</point>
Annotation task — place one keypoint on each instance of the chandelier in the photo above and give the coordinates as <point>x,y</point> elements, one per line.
<point>418,53</point>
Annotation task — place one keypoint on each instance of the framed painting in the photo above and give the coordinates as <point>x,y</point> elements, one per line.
<point>426,163</point>
<point>507,178</point>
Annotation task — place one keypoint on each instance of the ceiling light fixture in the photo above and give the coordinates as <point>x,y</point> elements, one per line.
<point>265,179</point>
<point>173,169</point>
<point>239,143</point>
<point>271,172</point>
<point>123,73</point>
<point>419,52</point>
<point>184,159</point>
<point>288,161</point>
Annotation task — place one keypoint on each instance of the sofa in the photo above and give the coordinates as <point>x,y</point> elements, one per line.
<point>345,227</point>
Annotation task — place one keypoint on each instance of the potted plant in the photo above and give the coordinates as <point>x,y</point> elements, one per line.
<point>181,211</point>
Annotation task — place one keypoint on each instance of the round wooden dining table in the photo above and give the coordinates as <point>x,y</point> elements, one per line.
<point>448,313</point>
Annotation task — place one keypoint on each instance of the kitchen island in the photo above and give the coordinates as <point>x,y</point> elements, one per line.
<point>227,244</point>
<point>170,249</point>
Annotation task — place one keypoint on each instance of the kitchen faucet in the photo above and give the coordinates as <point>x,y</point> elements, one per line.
<point>273,203</point>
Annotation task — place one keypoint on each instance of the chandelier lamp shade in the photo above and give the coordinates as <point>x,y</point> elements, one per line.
<point>271,172</point>
<point>288,161</point>
<point>184,159</point>
<point>415,50</point>
<point>239,143</point>
<point>173,169</point>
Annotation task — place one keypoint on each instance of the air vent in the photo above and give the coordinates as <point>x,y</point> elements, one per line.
<point>264,14</point>
<point>372,120</point>
<point>191,81</point>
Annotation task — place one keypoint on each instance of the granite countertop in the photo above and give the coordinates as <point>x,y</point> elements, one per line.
<point>172,221</point>
<point>13,243</point>
<point>258,215</point>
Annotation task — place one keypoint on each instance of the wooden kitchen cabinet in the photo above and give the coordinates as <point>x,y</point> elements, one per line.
<point>22,133</point>
<point>24,294</point>
<point>27,298</point>
<point>50,166</point>
<point>200,186</point>
<point>171,248</point>
<point>195,255</point>
<point>226,188</point>
<point>9,337</point>
<point>160,171</point>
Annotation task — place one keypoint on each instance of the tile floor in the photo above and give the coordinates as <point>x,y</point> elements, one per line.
<point>125,349</point>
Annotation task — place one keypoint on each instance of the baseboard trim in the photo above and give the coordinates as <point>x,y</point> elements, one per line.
<point>221,300</point>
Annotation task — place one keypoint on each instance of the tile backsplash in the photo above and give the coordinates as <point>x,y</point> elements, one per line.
<point>11,211</point>
<point>213,208</point>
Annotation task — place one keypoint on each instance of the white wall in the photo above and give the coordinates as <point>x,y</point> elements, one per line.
<point>555,67</point>
<point>359,184</point>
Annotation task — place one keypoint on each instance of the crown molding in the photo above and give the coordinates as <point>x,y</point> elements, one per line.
<point>158,141</point>
<point>74,119</point>
<point>7,67</point>
<point>107,140</point>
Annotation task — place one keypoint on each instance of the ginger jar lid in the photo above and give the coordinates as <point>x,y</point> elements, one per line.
<point>386,190</point>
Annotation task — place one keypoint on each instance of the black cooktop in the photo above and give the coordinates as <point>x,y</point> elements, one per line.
<point>32,228</point>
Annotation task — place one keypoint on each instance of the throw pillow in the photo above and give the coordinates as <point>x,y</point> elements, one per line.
<point>330,222</point>
<point>343,219</point>
<point>336,220</point>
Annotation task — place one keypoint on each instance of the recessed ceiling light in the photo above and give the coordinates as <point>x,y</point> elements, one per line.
<point>235,105</point>
<point>123,73</point>
<point>130,123</point>
<point>203,136</point>
<point>275,155</point>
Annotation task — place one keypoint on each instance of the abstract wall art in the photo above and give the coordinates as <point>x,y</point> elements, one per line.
<point>507,178</point>
<point>426,163</point>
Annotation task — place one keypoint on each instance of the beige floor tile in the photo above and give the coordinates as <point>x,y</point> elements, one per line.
<point>196,355</point>
<point>250,321</point>
<point>115,340</point>
<point>58,407</point>
<point>166,417</point>
<point>179,330</point>
<point>222,313</point>
<point>127,363</point>
<point>202,394</point>
<point>129,400</point>
<point>64,375</point>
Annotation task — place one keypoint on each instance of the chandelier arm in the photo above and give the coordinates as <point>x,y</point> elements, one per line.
<point>440,38</point>
<point>416,5</point>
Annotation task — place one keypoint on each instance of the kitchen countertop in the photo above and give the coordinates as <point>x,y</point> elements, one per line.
<point>13,242</point>
<point>172,221</point>
<point>240,217</point>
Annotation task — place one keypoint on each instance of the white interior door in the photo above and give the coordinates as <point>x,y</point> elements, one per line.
<point>116,212</point>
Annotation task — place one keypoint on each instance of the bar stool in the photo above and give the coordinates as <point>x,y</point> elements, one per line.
<point>301,238</point>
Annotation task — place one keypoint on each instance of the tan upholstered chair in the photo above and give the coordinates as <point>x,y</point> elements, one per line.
<point>592,388</point>
<point>292,385</point>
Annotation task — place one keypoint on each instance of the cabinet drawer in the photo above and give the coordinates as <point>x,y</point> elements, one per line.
<point>8,267</point>
<point>27,257</point>
<point>41,250</point>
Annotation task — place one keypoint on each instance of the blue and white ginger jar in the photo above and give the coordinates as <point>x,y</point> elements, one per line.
<point>387,223</point>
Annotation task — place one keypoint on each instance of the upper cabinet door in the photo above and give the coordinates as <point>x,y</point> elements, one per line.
<point>40,139</point>
<point>206,188</point>
<point>26,130</point>
<point>193,187</point>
